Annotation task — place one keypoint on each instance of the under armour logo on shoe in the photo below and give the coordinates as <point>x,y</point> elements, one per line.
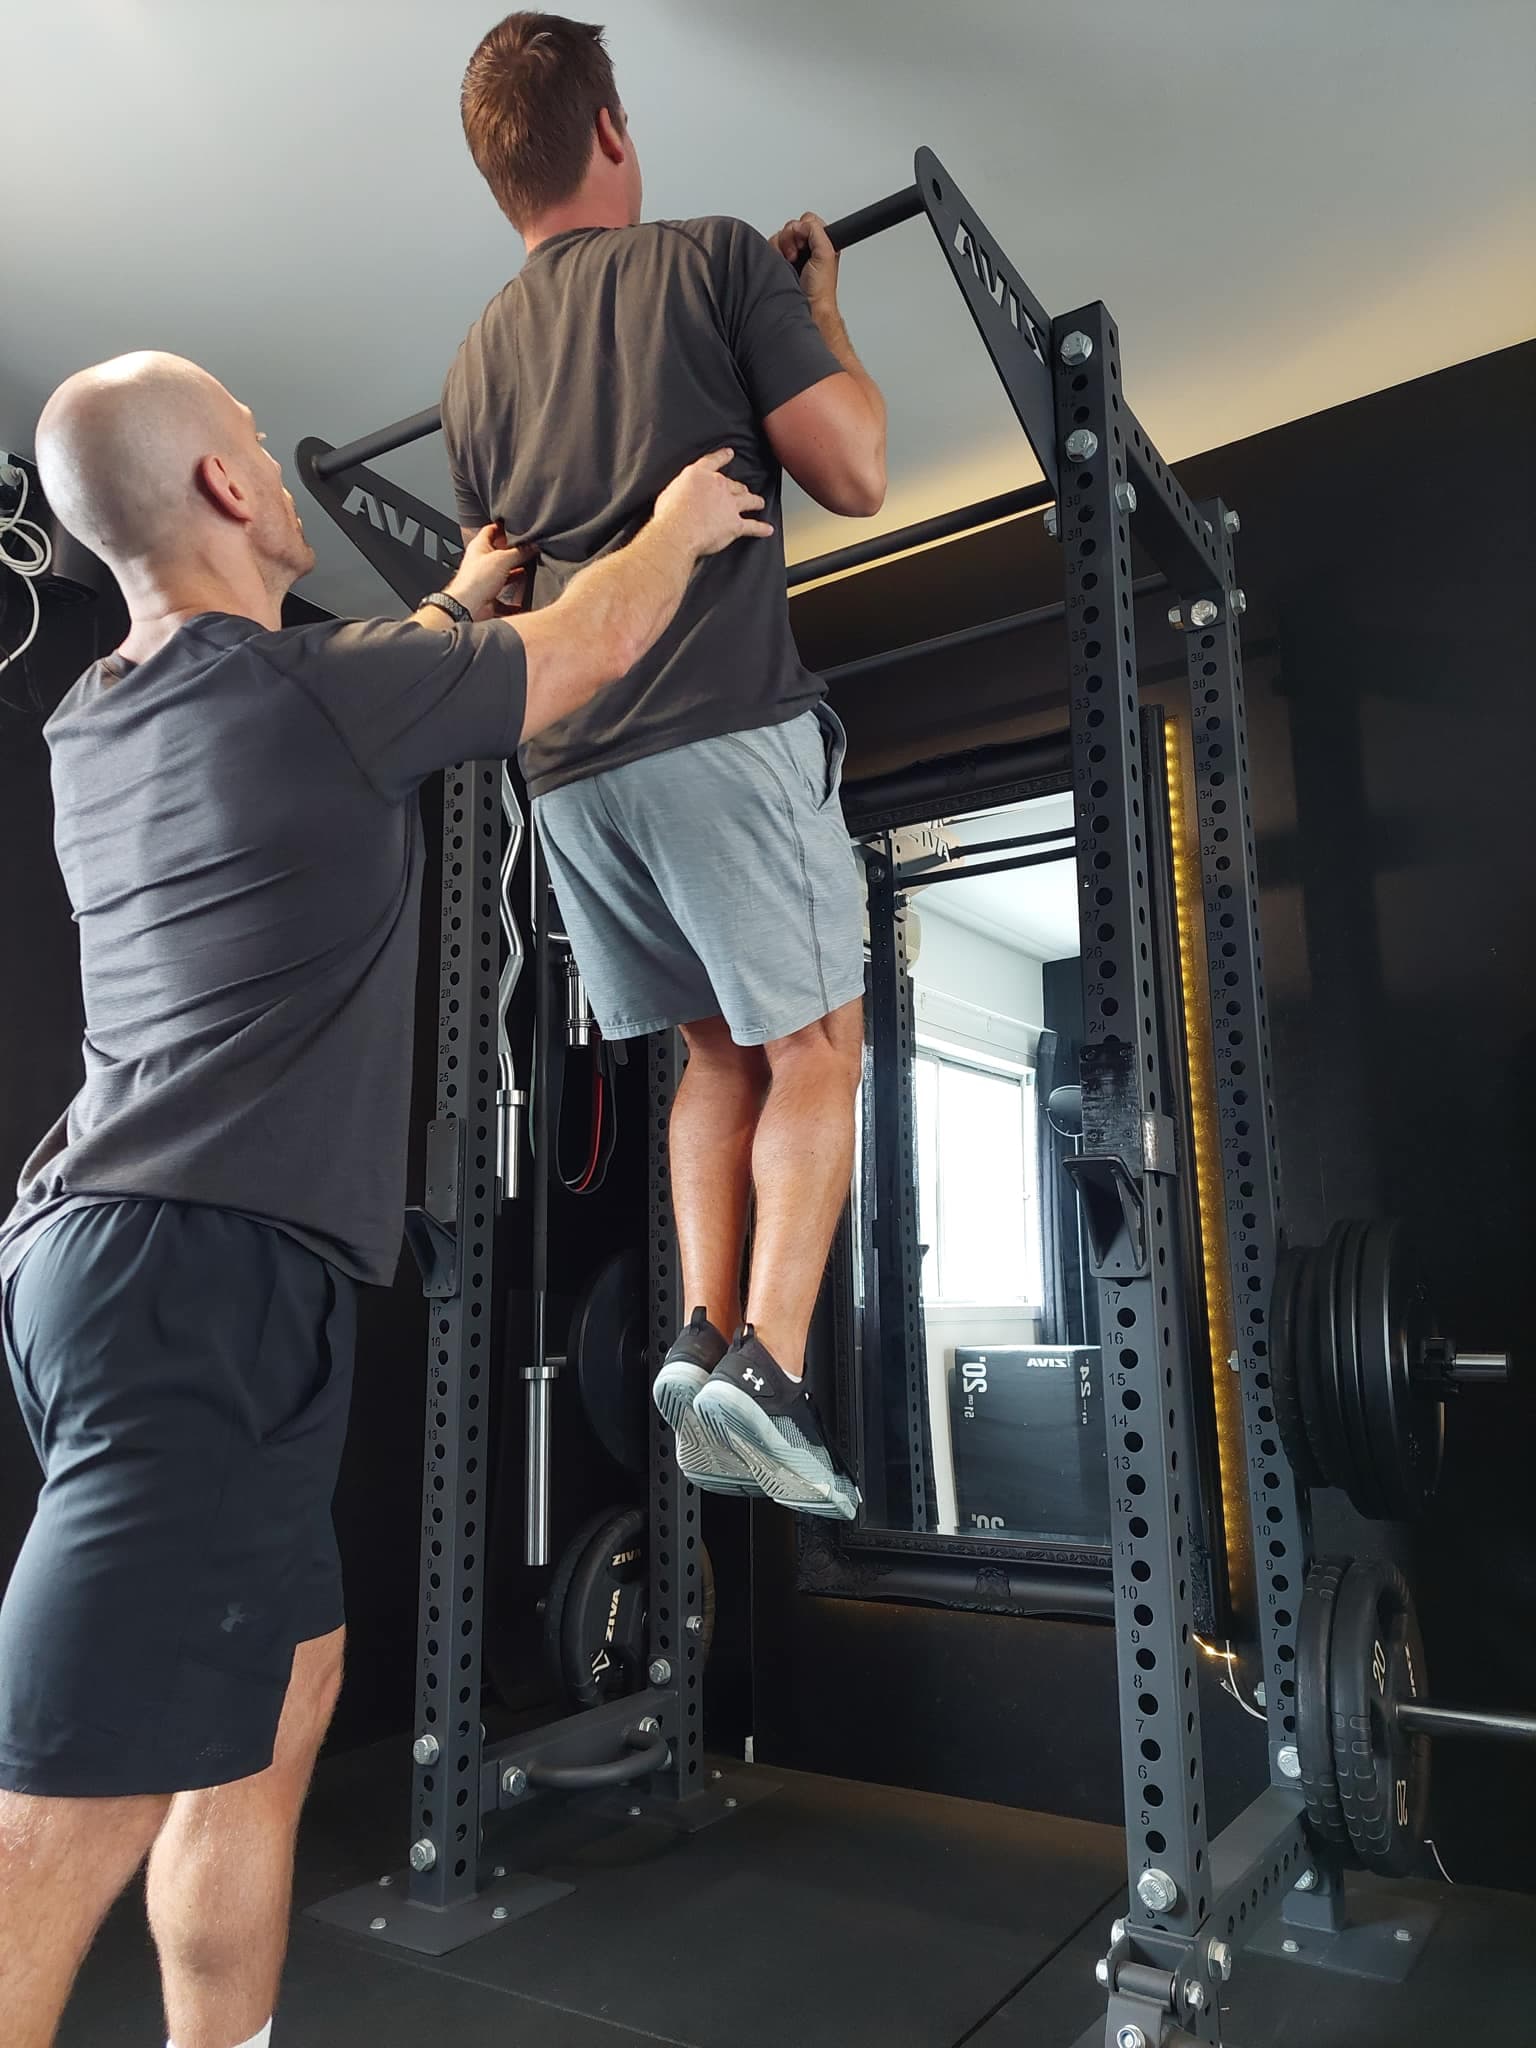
<point>233,1618</point>
<point>757,1385</point>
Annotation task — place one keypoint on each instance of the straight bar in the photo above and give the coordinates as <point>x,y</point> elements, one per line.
<point>973,848</point>
<point>960,873</point>
<point>1484,1722</point>
<point>969,636</point>
<point>875,218</point>
<point>853,227</point>
<point>943,526</point>
<point>380,442</point>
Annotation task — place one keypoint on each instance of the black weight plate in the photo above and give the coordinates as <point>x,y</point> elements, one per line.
<point>1304,1330</point>
<point>602,1630</point>
<point>1320,1371</point>
<point>1285,1367</point>
<point>1314,1708</point>
<point>1377,1659</point>
<point>1407,1423</point>
<point>595,1616</point>
<point>1361,1478</point>
<point>608,1348</point>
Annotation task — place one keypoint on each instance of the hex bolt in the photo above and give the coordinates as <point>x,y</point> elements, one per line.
<point>1195,1995</point>
<point>1101,1972</point>
<point>1053,522</point>
<point>423,1855</point>
<point>1403,1934</point>
<point>1290,1948</point>
<point>1219,1956</point>
<point>386,1880</point>
<point>715,1777</point>
<point>660,1671</point>
<point>498,1912</point>
<point>650,1725</point>
<point>1076,348</point>
<point>1175,616</point>
<point>514,1782</point>
<point>1238,600</point>
<point>1130,2037</point>
<point>500,1870</point>
<point>1157,1891</point>
<point>1118,1930</point>
<point>1202,612</point>
<point>634,1813</point>
<point>377,1926</point>
<point>694,1624</point>
<point>1231,522</point>
<point>730,1803</point>
<point>1307,1882</point>
<point>1082,444</point>
<point>1289,1760</point>
<point>1260,1697</point>
<point>1125,497</point>
<point>426,1749</point>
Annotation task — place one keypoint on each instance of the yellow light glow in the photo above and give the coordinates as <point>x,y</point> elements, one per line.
<point>1200,1055</point>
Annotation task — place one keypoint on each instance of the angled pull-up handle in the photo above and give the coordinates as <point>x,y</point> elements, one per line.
<point>853,227</point>
<point>409,542</point>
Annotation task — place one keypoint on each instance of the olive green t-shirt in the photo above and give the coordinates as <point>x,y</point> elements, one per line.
<point>613,358</point>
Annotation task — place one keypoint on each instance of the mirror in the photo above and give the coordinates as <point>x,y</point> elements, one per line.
<point>973,1323</point>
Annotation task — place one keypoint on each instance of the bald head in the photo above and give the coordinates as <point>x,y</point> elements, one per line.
<point>148,460</point>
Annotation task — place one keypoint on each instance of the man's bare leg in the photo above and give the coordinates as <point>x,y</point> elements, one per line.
<point>714,1119</point>
<point>221,1873</point>
<point>802,1165</point>
<point>62,1863</point>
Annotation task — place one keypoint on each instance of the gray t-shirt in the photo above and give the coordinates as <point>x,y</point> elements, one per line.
<point>614,357</point>
<point>237,826</point>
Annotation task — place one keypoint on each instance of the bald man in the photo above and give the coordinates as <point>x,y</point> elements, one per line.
<point>237,825</point>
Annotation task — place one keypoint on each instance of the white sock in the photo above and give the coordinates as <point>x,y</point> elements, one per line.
<point>261,2039</point>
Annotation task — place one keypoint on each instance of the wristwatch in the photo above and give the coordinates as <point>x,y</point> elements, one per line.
<point>459,613</point>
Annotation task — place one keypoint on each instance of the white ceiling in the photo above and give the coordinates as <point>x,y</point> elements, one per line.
<point>1029,910</point>
<point>1284,205</point>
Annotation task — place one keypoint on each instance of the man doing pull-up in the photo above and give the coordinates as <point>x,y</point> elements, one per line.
<point>690,819</point>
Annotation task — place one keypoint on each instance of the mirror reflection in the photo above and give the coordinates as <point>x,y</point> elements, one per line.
<point>974,1326</point>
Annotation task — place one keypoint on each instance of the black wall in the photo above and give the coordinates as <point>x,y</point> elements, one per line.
<point>1393,725</point>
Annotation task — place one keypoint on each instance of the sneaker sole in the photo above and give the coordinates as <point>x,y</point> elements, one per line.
<point>701,1461</point>
<point>733,1420</point>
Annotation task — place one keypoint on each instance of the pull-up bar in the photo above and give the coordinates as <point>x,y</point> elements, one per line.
<point>853,227</point>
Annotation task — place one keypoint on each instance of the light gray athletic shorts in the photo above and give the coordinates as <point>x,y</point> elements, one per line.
<point>713,880</point>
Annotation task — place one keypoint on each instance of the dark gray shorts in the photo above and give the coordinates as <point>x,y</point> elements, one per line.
<point>184,1374</point>
<point>716,879</point>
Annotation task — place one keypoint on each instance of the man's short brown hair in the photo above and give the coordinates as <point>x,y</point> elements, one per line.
<point>530,102</point>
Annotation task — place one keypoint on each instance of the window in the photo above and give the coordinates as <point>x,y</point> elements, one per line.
<point>977,1180</point>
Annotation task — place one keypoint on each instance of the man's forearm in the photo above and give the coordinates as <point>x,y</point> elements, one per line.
<point>620,606</point>
<point>605,619</point>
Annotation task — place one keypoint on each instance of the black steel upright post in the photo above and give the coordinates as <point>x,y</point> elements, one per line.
<point>676,1612</point>
<point>1125,1173</point>
<point>894,1447</point>
<point>462,1162</point>
<point>1245,1112</point>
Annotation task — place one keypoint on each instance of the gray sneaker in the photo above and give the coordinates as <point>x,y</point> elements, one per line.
<point>684,1374</point>
<point>751,1407</point>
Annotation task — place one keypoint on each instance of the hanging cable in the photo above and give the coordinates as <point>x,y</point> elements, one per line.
<point>35,560</point>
